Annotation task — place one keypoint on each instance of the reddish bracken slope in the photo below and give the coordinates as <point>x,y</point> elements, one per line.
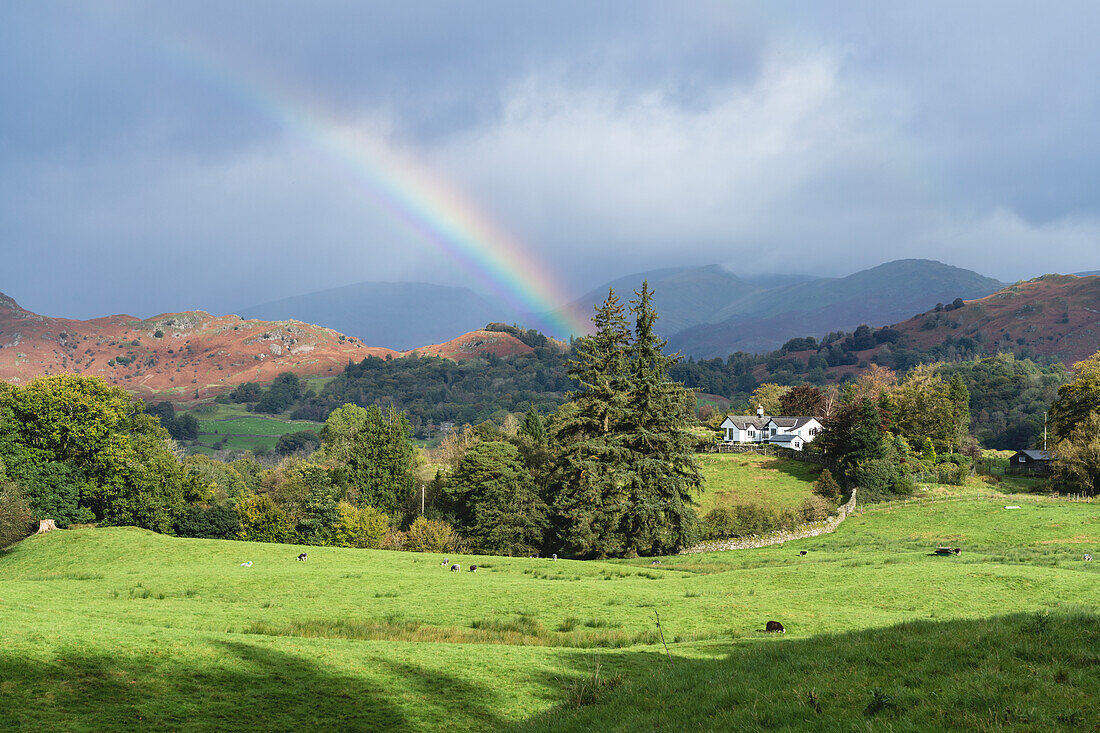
<point>183,356</point>
<point>476,343</point>
<point>1056,316</point>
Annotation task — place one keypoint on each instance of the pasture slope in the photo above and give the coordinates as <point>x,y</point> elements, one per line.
<point>118,628</point>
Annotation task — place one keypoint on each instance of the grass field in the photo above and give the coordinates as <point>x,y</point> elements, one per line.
<point>121,628</point>
<point>748,478</point>
<point>246,431</point>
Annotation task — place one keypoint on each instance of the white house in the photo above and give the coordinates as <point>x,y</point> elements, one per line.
<point>787,431</point>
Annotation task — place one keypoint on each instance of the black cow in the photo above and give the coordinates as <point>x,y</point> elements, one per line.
<point>776,627</point>
<point>302,557</point>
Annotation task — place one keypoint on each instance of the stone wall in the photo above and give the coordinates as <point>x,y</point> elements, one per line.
<point>778,538</point>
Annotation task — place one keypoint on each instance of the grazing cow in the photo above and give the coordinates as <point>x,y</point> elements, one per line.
<point>956,550</point>
<point>655,562</point>
<point>1088,557</point>
<point>473,568</point>
<point>554,556</point>
<point>776,627</point>
<point>445,562</point>
<point>302,557</point>
<point>456,568</point>
<point>802,553</point>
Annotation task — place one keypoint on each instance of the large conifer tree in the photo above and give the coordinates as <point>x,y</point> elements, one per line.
<point>661,474</point>
<point>588,499</point>
<point>624,469</point>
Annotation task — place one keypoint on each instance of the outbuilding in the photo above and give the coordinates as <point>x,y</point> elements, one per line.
<point>1030,461</point>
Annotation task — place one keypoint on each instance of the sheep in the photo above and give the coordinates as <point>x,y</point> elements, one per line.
<point>246,564</point>
<point>776,627</point>
<point>302,557</point>
<point>802,553</point>
<point>1088,557</point>
<point>456,568</point>
<point>445,563</point>
<point>473,568</point>
<point>554,556</point>
<point>655,562</point>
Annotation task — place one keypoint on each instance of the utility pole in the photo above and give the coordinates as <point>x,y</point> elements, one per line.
<point>421,499</point>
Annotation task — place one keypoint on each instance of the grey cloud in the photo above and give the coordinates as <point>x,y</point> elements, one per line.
<point>137,175</point>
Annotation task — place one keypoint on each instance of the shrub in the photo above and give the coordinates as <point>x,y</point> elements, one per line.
<point>880,480</point>
<point>15,516</point>
<point>814,509</point>
<point>428,535</point>
<point>212,523</point>
<point>263,521</point>
<point>746,519</point>
<point>366,527</point>
<point>827,487</point>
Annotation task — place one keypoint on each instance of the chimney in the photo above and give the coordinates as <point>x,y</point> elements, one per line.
<point>760,410</point>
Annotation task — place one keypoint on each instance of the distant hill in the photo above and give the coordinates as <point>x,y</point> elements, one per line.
<point>184,356</point>
<point>683,296</point>
<point>1056,317</point>
<point>1090,273</point>
<point>759,321</point>
<point>400,315</point>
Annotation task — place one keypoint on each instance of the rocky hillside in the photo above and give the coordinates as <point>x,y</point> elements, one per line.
<point>1054,316</point>
<point>182,356</point>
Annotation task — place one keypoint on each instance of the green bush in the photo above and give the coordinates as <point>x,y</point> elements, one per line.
<point>15,515</point>
<point>881,479</point>
<point>263,521</point>
<point>827,487</point>
<point>365,527</point>
<point>212,523</point>
<point>427,535</point>
<point>814,509</point>
<point>747,519</point>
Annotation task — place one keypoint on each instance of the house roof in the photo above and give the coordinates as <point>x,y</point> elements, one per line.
<point>784,438</point>
<point>742,422</point>
<point>787,422</point>
<point>791,422</point>
<point>1036,455</point>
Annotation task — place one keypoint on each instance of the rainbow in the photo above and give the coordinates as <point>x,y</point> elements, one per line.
<point>419,198</point>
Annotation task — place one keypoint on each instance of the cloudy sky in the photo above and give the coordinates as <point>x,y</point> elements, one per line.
<point>159,157</point>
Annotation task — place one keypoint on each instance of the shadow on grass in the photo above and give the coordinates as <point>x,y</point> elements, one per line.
<point>1033,671</point>
<point>797,469</point>
<point>231,686</point>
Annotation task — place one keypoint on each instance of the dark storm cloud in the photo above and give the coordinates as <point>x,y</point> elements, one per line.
<point>138,172</point>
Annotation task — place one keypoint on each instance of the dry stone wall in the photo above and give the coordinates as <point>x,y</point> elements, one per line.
<point>778,538</point>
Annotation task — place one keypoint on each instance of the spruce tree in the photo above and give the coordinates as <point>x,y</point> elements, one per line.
<point>533,426</point>
<point>661,474</point>
<point>588,499</point>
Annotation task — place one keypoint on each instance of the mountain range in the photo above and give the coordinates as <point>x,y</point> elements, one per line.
<point>401,315</point>
<point>704,311</point>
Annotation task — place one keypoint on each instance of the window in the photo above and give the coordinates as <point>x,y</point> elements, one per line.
<point>1023,459</point>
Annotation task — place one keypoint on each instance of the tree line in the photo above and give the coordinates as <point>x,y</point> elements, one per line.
<point>610,473</point>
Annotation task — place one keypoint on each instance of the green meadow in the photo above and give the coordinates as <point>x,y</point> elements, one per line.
<point>117,628</point>
<point>749,478</point>
<point>245,431</point>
